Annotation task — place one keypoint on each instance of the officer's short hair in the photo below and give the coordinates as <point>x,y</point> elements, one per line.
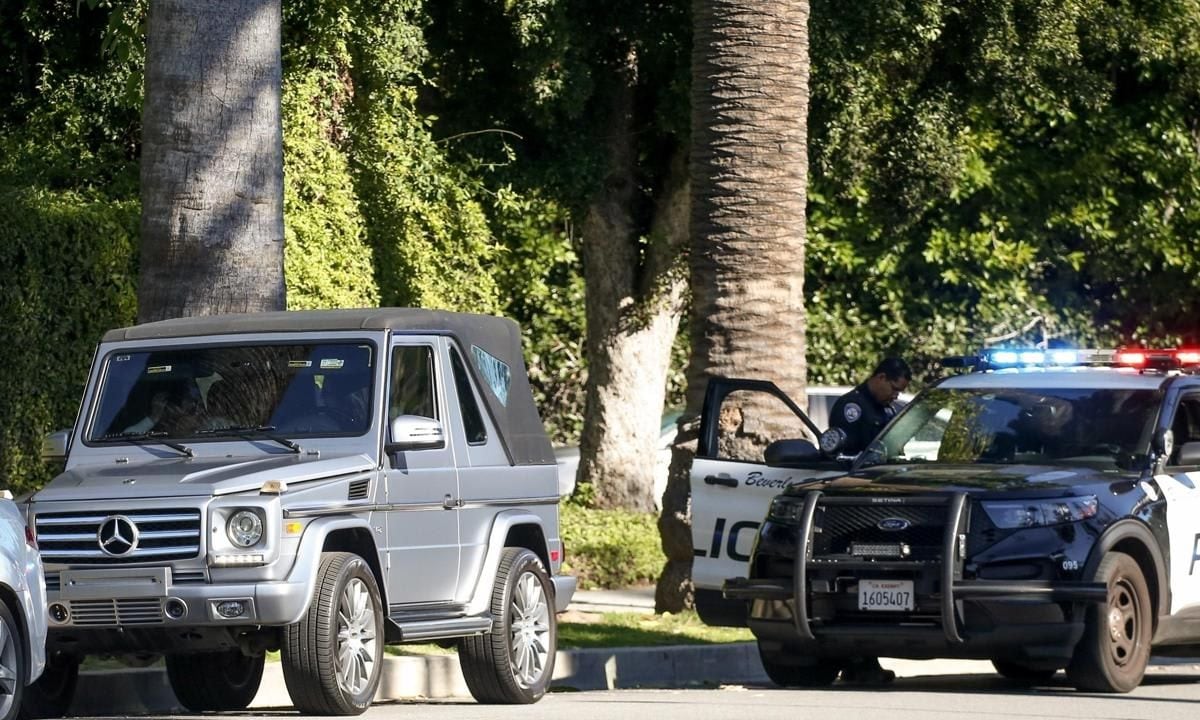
<point>893,368</point>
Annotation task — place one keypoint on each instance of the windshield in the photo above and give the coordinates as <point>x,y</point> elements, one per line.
<point>1103,428</point>
<point>316,389</point>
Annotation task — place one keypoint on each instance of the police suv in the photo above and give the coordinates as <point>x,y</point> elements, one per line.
<point>1040,510</point>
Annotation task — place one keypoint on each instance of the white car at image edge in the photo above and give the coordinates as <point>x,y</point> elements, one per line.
<point>23,611</point>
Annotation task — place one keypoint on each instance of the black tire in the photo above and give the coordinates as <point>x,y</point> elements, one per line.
<point>1114,651</point>
<point>1024,674</point>
<point>514,663</point>
<point>51,695</point>
<point>225,680</point>
<point>14,665</point>
<point>344,624</point>
<point>792,669</point>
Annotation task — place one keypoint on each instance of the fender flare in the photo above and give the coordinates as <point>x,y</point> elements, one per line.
<point>308,555</point>
<point>1137,530</point>
<point>481,596</point>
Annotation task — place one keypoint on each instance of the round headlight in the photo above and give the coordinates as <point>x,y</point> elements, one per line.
<point>245,528</point>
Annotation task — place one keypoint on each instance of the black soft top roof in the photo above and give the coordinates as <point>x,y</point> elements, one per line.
<point>516,417</point>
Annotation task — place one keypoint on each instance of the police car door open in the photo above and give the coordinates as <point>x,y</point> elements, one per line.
<point>732,486</point>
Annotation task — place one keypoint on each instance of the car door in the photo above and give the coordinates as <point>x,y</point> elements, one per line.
<point>732,486</point>
<point>421,496</point>
<point>1180,485</point>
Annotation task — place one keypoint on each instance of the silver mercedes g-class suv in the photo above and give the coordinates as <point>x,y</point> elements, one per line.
<point>319,483</point>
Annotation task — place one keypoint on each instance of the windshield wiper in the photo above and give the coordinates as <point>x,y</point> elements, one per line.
<point>252,432</point>
<point>149,437</point>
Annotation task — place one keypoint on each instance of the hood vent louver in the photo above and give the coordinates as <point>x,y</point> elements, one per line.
<point>359,489</point>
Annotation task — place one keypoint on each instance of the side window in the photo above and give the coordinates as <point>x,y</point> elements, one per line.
<point>471,417</point>
<point>1185,428</point>
<point>412,382</point>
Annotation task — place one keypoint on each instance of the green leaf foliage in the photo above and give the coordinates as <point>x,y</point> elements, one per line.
<point>610,548</point>
<point>70,271</point>
<point>978,165</point>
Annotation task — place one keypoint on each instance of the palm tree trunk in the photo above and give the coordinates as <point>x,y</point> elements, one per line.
<point>212,160</point>
<point>749,168</point>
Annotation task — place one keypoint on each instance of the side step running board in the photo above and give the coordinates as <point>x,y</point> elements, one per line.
<point>434,629</point>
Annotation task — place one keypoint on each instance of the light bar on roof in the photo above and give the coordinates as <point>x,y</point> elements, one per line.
<point>1138,358</point>
<point>1170,359</point>
<point>1029,357</point>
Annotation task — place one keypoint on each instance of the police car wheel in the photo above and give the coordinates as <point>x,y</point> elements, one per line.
<point>1115,648</point>
<point>1022,673</point>
<point>792,668</point>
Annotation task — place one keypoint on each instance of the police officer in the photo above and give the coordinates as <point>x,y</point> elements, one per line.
<point>861,413</point>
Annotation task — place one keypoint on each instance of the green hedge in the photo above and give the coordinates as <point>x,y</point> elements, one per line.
<point>70,264</point>
<point>610,548</point>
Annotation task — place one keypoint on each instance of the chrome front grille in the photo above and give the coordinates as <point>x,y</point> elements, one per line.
<point>840,526</point>
<point>74,537</point>
<point>91,613</point>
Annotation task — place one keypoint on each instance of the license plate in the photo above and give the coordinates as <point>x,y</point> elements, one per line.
<point>885,595</point>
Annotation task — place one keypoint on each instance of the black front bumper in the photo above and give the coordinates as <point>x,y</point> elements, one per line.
<point>1030,621</point>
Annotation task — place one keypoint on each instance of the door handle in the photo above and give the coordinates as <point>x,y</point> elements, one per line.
<point>726,481</point>
<point>449,502</point>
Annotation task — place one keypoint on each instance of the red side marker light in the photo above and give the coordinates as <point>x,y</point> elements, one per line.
<point>1134,358</point>
<point>554,555</point>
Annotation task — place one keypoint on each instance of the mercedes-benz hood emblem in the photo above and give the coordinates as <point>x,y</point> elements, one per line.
<point>118,536</point>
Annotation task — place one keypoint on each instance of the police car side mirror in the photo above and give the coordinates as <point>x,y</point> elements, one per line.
<point>791,452</point>
<point>1162,445</point>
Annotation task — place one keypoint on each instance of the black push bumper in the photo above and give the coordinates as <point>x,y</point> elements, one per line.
<point>974,618</point>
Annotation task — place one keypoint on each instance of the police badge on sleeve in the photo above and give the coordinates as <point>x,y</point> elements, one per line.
<point>852,412</point>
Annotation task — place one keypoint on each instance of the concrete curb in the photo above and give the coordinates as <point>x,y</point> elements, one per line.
<point>146,690</point>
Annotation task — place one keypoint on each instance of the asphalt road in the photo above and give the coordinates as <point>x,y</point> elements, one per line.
<point>1167,694</point>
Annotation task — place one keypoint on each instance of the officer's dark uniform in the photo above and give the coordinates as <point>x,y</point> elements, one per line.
<point>861,417</point>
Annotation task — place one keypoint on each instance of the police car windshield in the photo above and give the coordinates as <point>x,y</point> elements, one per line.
<point>1099,428</point>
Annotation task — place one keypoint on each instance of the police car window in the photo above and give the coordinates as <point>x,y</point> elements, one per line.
<point>748,421</point>
<point>1185,428</point>
<point>1101,427</point>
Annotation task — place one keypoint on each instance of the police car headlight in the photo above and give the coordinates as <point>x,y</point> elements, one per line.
<point>1009,514</point>
<point>783,509</point>
<point>245,528</point>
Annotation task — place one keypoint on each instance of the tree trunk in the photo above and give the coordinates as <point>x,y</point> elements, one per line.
<point>212,160</point>
<point>749,167</point>
<point>634,302</point>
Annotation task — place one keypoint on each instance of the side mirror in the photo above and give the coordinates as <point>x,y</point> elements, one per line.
<point>414,432</point>
<point>791,452</point>
<point>55,446</point>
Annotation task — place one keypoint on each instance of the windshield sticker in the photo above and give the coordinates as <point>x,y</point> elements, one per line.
<point>121,358</point>
<point>299,363</point>
<point>155,369</point>
<point>495,373</point>
<point>332,364</point>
